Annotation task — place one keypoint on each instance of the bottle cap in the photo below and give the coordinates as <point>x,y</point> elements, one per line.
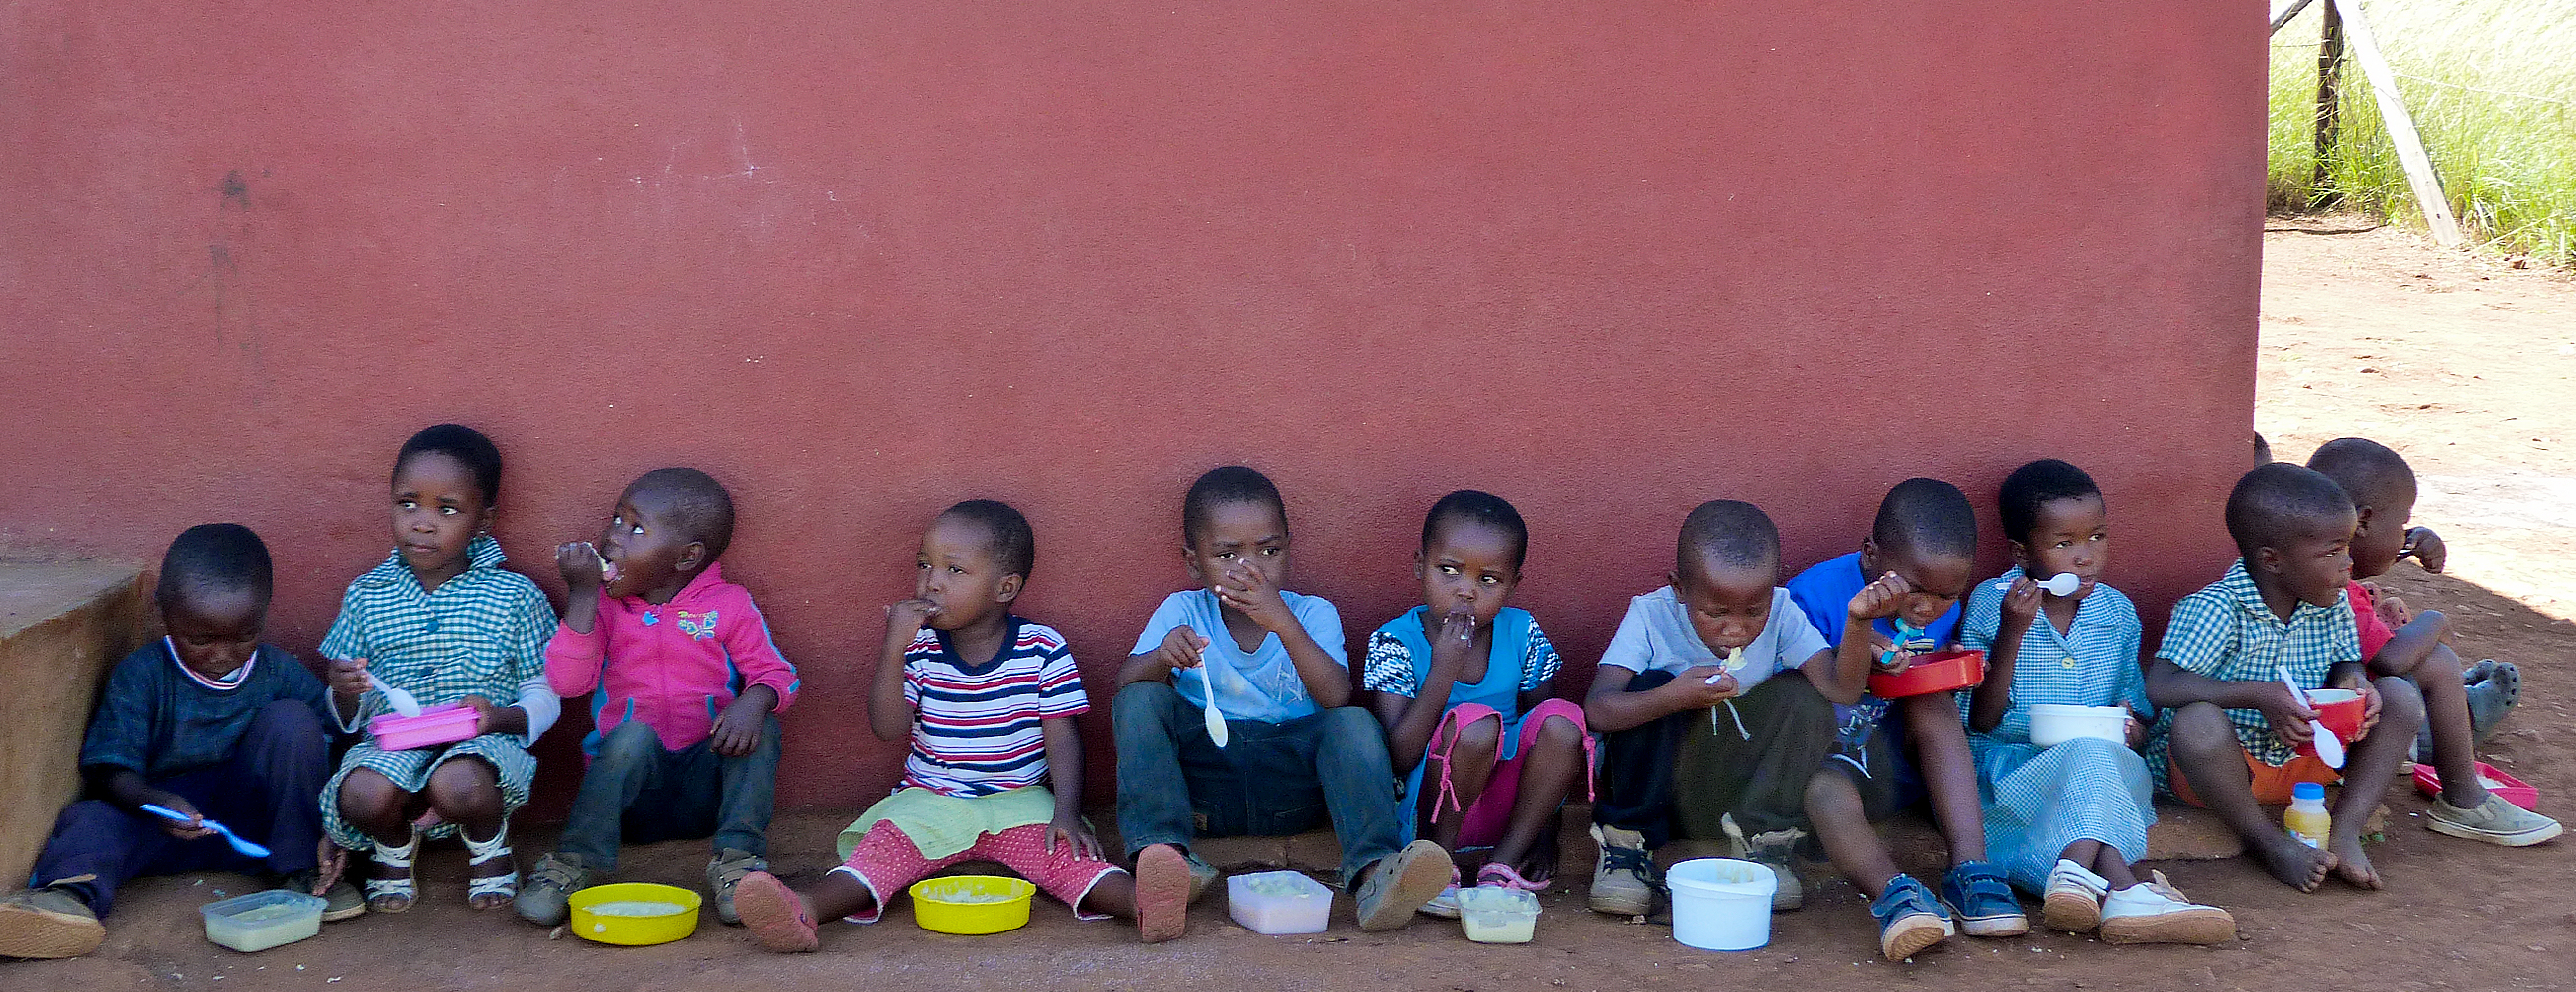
<point>2308,790</point>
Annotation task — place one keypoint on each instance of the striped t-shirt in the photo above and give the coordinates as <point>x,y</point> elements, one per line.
<point>976,729</point>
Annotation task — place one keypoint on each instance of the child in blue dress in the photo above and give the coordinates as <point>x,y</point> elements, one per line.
<point>441,620</point>
<point>1465,684</point>
<point>2068,821</point>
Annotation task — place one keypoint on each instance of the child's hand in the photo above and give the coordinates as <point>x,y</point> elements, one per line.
<point>2136,732</point>
<point>2287,712</point>
<point>1180,648</point>
<point>347,676</point>
<point>1075,836</point>
<point>583,572</point>
<point>2360,683</point>
<point>1691,689</point>
<point>191,828</point>
<point>737,730</point>
<point>904,620</point>
<point>483,711</point>
<point>1881,599</point>
<point>1457,635</point>
<point>2021,603</point>
<point>2426,548</point>
<point>330,861</point>
<point>1250,592</point>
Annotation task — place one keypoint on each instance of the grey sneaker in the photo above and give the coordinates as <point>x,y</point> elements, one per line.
<point>1402,882</point>
<point>341,902</point>
<point>1776,850</point>
<point>1203,875</point>
<point>545,898</point>
<point>48,923</point>
<point>1623,883</point>
<point>2494,821</point>
<point>723,873</point>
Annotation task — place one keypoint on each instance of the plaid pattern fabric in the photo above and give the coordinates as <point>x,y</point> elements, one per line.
<point>2093,663</point>
<point>2225,632</point>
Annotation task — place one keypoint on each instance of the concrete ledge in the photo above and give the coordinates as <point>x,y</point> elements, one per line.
<point>62,625</point>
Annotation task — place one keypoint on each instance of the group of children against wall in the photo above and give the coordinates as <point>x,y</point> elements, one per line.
<point>1727,708</point>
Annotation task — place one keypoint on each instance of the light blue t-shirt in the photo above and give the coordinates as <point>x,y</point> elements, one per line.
<point>1657,635</point>
<point>1262,685</point>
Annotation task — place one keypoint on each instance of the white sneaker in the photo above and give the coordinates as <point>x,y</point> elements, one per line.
<point>2073,902</point>
<point>2156,913</point>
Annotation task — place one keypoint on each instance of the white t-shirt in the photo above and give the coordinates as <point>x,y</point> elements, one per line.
<point>1656,635</point>
<point>1263,685</point>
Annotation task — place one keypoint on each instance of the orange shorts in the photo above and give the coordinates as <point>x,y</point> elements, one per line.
<point>2271,782</point>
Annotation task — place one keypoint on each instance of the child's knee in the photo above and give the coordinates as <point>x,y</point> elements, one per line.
<point>465,785</point>
<point>1481,737</point>
<point>1558,732</point>
<point>2401,705</point>
<point>1833,797</point>
<point>1933,716</point>
<point>2202,731</point>
<point>367,796</point>
<point>1141,704</point>
<point>625,745</point>
<point>287,720</point>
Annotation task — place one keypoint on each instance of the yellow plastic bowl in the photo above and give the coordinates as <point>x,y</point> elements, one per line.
<point>626,930</point>
<point>972,905</point>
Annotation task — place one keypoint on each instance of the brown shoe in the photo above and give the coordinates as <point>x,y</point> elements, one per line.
<point>48,923</point>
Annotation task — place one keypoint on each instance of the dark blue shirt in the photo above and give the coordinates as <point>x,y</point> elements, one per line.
<point>159,719</point>
<point>1824,593</point>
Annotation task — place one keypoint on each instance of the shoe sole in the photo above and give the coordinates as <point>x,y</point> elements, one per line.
<point>773,915</point>
<point>1620,905</point>
<point>2072,912</point>
<point>1790,894</point>
<point>2191,926</point>
<point>1439,911</point>
<point>29,932</point>
<point>1162,894</point>
<point>1995,926</point>
<point>1422,870</point>
<point>1912,935</point>
<point>345,912</point>
<point>2524,839</point>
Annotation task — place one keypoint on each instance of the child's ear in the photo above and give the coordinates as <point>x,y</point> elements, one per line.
<point>1190,560</point>
<point>483,520</point>
<point>2020,553</point>
<point>2361,515</point>
<point>1418,565</point>
<point>1010,588</point>
<point>1869,557</point>
<point>693,557</point>
<point>2267,559</point>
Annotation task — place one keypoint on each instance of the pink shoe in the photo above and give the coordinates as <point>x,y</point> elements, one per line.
<point>1496,873</point>
<point>774,914</point>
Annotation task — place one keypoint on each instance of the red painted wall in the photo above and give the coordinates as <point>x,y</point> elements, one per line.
<point>863,259</point>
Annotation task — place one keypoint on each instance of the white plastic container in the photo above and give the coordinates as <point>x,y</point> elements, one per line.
<point>1721,904</point>
<point>1277,902</point>
<point>1497,915</point>
<point>262,920</point>
<point>2052,724</point>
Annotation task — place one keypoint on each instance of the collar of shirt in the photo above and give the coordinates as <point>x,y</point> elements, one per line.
<point>230,681</point>
<point>2239,585</point>
<point>481,554</point>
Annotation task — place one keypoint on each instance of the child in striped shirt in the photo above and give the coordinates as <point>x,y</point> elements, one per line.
<point>988,699</point>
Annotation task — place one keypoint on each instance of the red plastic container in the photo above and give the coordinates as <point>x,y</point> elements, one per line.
<point>1939,671</point>
<point>2344,718</point>
<point>2514,790</point>
<point>435,725</point>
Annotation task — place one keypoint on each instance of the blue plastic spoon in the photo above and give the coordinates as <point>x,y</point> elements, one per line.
<point>246,848</point>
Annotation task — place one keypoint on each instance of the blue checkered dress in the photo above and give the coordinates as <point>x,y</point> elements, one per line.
<point>2225,632</point>
<point>483,633</point>
<point>2038,801</point>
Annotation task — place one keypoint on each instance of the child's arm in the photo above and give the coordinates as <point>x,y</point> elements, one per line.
<point>770,680</point>
<point>1610,707</point>
<point>1993,696</point>
<point>1250,592</point>
<point>889,713</point>
<point>1860,644</point>
<point>2171,686</point>
<point>1409,722</point>
<point>1064,778</point>
<point>1180,649</point>
<point>130,792</point>
<point>2412,644</point>
<point>580,565</point>
<point>575,651</point>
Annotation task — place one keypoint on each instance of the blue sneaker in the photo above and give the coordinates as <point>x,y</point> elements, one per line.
<point>1984,901</point>
<point>1910,919</point>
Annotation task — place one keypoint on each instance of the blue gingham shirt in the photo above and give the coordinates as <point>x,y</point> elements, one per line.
<point>2094,662</point>
<point>482,633</point>
<point>2226,632</point>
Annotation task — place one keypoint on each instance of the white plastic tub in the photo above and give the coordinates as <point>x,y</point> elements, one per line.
<point>1497,915</point>
<point>1721,904</point>
<point>262,920</point>
<point>1277,902</point>
<point>2052,724</point>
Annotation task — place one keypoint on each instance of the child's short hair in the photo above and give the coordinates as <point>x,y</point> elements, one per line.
<point>2367,470</point>
<point>1231,484</point>
<point>705,508</point>
<point>1015,543</point>
<point>465,444</point>
<point>1926,517</point>
<point>214,556</point>
<point>2036,484</point>
<point>1481,507</point>
<point>1729,532</point>
<point>2275,502</point>
<point>2262,449</point>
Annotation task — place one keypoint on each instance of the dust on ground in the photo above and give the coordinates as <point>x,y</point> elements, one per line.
<point>2461,364</point>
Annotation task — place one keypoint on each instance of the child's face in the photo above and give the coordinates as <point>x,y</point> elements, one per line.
<point>1467,568</point>
<point>956,570</point>
<point>1729,605</point>
<point>437,511</point>
<point>2066,535</point>
<point>1246,534</point>
<point>215,629</point>
<point>2381,532</point>
<point>2314,565</point>
<point>1937,580</point>
<point>646,545</point>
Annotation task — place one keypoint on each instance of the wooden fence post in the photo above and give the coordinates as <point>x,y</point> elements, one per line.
<point>2401,125</point>
<point>2321,185</point>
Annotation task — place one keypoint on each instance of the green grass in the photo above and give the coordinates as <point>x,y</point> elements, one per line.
<point>2492,85</point>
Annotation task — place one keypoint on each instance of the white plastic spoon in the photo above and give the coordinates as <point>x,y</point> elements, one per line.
<point>1734,663</point>
<point>2061,584</point>
<point>401,701</point>
<point>2329,746</point>
<point>1207,689</point>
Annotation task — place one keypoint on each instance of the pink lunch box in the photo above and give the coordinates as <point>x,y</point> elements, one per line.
<point>434,725</point>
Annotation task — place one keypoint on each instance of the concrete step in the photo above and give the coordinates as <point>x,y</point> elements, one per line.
<point>62,626</point>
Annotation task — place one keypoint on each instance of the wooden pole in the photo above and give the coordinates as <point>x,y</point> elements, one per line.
<point>2283,10</point>
<point>2401,125</point>
<point>2321,185</point>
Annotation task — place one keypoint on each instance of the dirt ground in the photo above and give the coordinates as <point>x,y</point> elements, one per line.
<point>2461,364</point>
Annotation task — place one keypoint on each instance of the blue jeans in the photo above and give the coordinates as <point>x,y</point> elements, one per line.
<point>1270,780</point>
<point>635,792</point>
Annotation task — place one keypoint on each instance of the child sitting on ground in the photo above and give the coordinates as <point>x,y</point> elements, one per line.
<point>685,734</point>
<point>2066,822</point>
<point>441,620</point>
<point>1295,751</point>
<point>1466,683</point>
<point>2238,736</point>
<point>2382,488</point>
<point>2493,687</point>
<point>1707,698</point>
<point>988,700</point>
<point>1896,597</point>
<point>208,723</point>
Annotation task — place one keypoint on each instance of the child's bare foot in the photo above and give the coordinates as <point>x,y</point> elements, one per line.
<point>1162,893</point>
<point>774,914</point>
<point>2352,865</point>
<point>2297,865</point>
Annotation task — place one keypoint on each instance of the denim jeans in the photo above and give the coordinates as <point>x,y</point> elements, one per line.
<point>1679,775</point>
<point>1270,780</point>
<point>635,792</point>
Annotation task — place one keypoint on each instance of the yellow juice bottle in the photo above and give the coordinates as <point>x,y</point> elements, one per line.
<point>2307,818</point>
